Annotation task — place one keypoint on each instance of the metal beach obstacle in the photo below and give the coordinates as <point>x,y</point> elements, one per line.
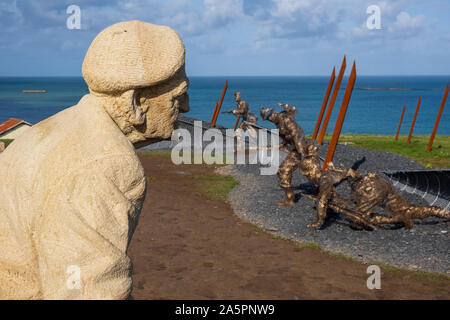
<point>324,104</point>
<point>438,119</point>
<point>237,122</point>
<point>332,101</point>
<point>400,122</point>
<point>340,120</point>
<point>414,120</point>
<point>219,105</point>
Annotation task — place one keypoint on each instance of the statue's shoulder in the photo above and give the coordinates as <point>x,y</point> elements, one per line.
<point>85,136</point>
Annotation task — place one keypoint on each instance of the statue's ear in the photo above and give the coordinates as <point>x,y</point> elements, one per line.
<point>137,115</point>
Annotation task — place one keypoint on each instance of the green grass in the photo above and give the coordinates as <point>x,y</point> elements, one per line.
<point>7,141</point>
<point>436,279</point>
<point>310,245</point>
<point>439,157</point>
<point>214,186</point>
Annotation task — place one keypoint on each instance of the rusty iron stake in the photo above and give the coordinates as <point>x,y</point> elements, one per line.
<point>216,115</point>
<point>400,122</point>
<point>237,122</point>
<point>324,104</point>
<point>340,120</point>
<point>414,120</point>
<point>323,130</point>
<point>438,119</point>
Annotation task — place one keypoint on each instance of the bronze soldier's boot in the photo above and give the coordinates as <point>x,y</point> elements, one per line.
<point>288,199</point>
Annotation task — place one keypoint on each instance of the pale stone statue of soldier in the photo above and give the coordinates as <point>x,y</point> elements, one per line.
<point>72,187</point>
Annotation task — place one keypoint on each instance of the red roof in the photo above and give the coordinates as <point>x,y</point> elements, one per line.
<point>11,123</point>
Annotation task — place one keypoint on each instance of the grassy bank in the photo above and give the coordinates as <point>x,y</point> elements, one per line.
<point>6,141</point>
<point>212,186</point>
<point>439,157</point>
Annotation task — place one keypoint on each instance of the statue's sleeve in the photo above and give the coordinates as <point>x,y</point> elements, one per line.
<point>299,141</point>
<point>84,233</point>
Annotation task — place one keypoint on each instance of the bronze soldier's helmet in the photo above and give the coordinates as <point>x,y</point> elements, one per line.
<point>265,113</point>
<point>288,107</point>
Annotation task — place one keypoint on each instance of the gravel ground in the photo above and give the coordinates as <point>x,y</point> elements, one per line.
<point>425,247</point>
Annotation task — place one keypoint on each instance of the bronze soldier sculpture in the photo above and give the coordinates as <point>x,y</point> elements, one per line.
<point>367,191</point>
<point>304,155</point>
<point>293,139</point>
<point>310,167</point>
<point>248,117</point>
<point>370,191</point>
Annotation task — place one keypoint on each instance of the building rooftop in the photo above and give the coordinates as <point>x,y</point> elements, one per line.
<point>10,124</point>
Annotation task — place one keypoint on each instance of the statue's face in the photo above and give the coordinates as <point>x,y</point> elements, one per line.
<point>265,113</point>
<point>161,105</point>
<point>312,149</point>
<point>237,96</point>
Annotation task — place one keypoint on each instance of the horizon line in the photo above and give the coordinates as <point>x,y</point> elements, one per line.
<point>250,75</point>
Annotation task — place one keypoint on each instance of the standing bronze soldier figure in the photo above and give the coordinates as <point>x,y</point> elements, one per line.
<point>242,111</point>
<point>294,143</point>
<point>303,155</point>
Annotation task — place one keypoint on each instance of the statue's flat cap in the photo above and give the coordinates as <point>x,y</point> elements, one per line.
<point>132,54</point>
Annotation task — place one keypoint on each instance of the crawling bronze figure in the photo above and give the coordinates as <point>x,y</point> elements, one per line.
<point>370,191</point>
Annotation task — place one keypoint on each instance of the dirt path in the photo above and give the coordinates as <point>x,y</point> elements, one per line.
<point>189,247</point>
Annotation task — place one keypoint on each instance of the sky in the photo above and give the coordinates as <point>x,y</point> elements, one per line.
<point>238,37</point>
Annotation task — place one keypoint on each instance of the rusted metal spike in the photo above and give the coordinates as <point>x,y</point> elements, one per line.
<point>323,130</point>
<point>400,122</point>
<point>213,121</point>
<point>438,119</point>
<point>340,120</point>
<point>237,122</point>
<point>324,104</point>
<point>214,113</point>
<point>414,120</point>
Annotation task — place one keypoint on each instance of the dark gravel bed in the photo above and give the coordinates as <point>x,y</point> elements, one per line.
<point>425,247</point>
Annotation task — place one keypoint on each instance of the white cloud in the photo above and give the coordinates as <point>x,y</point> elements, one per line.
<point>405,24</point>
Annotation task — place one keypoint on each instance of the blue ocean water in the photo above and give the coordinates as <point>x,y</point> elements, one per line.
<point>369,111</point>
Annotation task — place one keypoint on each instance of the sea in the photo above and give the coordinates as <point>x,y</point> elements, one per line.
<point>375,106</point>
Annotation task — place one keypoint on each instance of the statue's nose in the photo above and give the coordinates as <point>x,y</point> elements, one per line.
<point>184,103</point>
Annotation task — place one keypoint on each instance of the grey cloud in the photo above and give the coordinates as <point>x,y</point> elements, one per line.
<point>45,21</point>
